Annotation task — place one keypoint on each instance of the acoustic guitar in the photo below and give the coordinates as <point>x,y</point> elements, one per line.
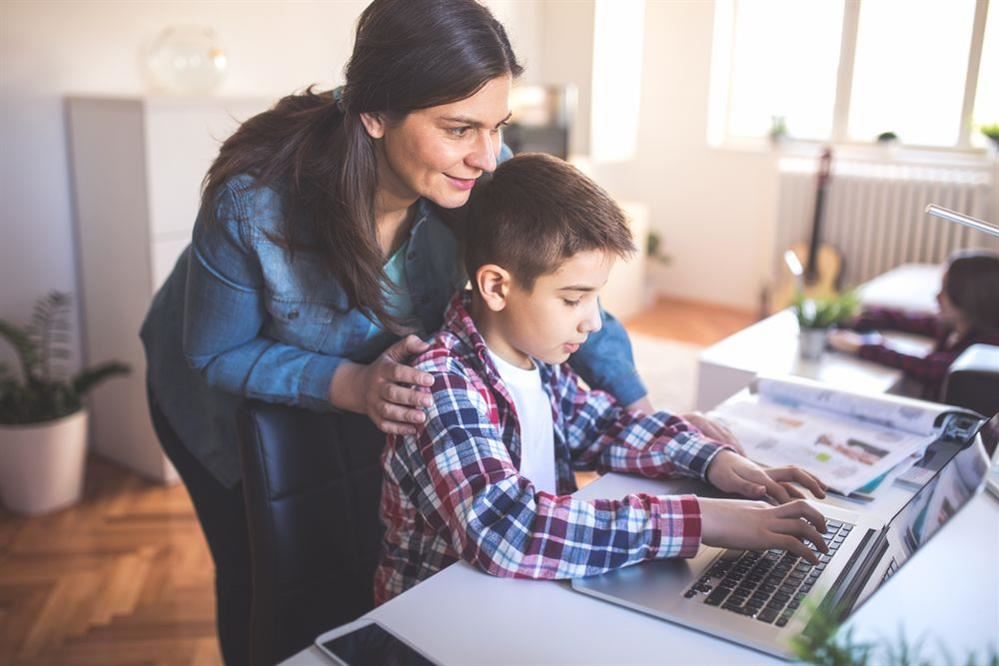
<point>814,269</point>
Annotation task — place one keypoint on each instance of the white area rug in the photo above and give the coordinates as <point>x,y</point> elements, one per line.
<point>669,369</point>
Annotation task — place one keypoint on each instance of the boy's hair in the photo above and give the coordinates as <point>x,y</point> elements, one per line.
<point>536,212</point>
<point>972,285</point>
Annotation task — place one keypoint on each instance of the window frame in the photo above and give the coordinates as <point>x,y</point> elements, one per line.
<point>720,120</point>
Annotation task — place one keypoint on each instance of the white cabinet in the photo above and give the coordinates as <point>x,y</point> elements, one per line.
<point>624,294</point>
<point>137,166</point>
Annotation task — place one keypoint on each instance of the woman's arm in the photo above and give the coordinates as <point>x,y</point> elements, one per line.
<point>225,315</point>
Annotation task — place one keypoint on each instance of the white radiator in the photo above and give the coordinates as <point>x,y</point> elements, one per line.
<point>874,213</point>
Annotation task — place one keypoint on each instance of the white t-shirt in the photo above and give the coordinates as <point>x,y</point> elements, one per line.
<point>537,431</point>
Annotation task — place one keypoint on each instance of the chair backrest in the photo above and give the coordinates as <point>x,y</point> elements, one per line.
<point>312,484</point>
<point>973,380</point>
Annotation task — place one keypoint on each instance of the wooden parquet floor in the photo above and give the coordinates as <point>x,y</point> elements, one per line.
<point>690,321</point>
<point>123,578</point>
<point>126,577</point>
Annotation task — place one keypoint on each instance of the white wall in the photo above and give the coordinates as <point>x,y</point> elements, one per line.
<point>51,48</point>
<point>714,208</point>
<point>567,58</point>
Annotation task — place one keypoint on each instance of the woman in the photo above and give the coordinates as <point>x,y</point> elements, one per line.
<point>323,237</point>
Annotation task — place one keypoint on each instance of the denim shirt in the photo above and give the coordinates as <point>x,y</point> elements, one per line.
<point>239,318</point>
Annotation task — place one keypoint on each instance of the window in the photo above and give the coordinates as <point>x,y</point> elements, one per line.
<point>848,70</point>
<point>793,77</point>
<point>617,79</point>
<point>987,97</point>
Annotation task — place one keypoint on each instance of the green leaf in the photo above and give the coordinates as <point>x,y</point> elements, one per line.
<point>88,379</point>
<point>24,347</point>
<point>825,312</point>
<point>40,396</point>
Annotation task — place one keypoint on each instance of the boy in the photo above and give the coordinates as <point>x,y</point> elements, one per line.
<point>488,479</point>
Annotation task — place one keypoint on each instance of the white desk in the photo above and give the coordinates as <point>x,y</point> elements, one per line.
<point>770,346</point>
<point>463,616</point>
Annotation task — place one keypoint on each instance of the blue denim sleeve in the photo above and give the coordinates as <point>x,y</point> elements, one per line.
<point>224,315</point>
<point>504,154</point>
<point>605,362</point>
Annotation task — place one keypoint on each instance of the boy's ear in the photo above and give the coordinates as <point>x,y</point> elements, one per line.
<point>374,124</point>
<point>493,283</point>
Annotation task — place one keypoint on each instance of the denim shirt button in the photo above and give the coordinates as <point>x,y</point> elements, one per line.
<point>293,315</point>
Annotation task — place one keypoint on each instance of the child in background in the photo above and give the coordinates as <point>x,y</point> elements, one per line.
<point>489,477</point>
<point>969,314</point>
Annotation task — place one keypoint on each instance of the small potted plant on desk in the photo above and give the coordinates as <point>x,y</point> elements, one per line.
<point>991,132</point>
<point>43,424</point>
<point>816,316</point>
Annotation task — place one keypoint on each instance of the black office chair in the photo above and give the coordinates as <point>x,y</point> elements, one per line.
<point>972,380</point>
<point>312,484</point>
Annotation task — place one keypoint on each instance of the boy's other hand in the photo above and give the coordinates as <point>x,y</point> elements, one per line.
<point>737,474</point>
<point>755,525</point>
<point>713,430</point>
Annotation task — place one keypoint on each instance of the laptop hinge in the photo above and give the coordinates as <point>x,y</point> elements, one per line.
<point>856,583</point>
<point>838,602</point>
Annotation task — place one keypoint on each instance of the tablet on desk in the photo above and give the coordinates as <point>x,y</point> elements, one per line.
<point>364,642</point>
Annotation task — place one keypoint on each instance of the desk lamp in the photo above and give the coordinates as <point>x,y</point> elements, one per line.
<point>966,220</point>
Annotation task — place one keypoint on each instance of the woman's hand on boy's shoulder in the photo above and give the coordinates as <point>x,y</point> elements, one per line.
<point>390,392</point>
<point>733,473</point>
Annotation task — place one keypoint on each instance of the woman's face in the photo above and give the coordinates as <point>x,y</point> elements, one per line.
<point>439,152</point>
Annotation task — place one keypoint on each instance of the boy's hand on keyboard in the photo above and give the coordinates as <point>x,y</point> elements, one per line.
<point>737,474</point>
<point>758,526</point>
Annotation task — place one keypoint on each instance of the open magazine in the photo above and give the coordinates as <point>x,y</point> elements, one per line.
<point>846,439</point>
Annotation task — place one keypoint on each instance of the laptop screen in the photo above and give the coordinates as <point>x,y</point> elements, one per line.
<point>950,489</point>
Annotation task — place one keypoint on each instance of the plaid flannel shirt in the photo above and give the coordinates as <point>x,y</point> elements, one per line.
<point>453,491</point>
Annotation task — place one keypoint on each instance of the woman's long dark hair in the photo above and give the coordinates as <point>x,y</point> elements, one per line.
<point>316,153</point>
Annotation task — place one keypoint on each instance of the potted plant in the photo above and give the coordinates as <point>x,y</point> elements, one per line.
<point>43,424</point>
<point>778,130</point>
<point>887,138</point>
<point>817,315</point>
<point>991,132</point>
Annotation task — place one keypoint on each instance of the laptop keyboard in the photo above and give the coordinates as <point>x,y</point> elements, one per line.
<point>767,585</point>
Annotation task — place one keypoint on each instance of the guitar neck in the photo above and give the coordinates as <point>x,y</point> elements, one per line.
<point>825,163</point>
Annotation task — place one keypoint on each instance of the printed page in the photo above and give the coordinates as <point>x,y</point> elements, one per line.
<point>891,411</point>
<point>845,453</point>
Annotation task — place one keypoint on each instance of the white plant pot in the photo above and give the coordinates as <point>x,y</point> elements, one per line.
<point>812,342</point>
<point>41,464</point>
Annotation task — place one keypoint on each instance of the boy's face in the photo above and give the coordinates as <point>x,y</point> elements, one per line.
<point>555,317</point>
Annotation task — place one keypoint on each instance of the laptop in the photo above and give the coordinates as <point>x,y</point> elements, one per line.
<point>761,599</point>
